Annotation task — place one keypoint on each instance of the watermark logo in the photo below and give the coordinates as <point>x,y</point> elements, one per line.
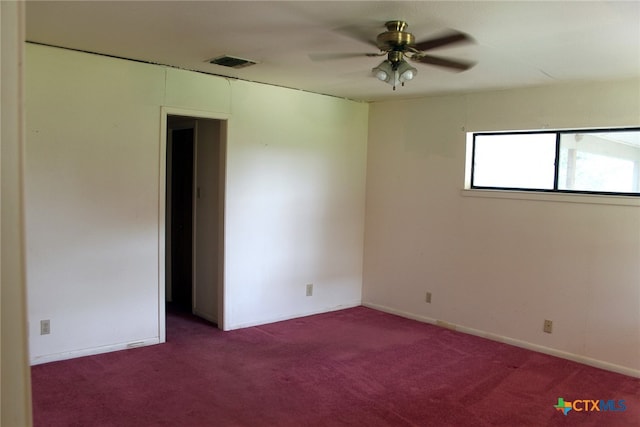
<point>563,406</point>
<point>590,405</point>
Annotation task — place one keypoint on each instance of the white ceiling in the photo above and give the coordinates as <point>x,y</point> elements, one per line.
<point>517,43</point>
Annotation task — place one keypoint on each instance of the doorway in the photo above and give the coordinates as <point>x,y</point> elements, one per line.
<point>194,206</point>
<point>180,184</point>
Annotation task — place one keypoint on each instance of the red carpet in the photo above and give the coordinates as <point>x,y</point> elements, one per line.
<point>356,367</point>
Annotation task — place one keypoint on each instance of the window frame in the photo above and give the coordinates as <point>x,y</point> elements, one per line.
<point>558,135</point>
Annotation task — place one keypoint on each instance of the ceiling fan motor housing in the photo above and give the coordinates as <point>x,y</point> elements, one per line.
<point>395,38</point>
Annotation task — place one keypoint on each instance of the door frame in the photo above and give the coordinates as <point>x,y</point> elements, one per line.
<point>166,111</point>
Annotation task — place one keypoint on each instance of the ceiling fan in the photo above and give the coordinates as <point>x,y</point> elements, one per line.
<point>399,44</point>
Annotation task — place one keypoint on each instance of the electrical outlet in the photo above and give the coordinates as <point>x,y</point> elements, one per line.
<point>428,297</point>
<point>309,289</point>
<point>548,326</point>
<point>45,327</point>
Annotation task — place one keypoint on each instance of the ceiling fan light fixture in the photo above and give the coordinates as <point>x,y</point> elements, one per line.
<point>394,74</point>
<point>384,71</point>
<point>406,72</point>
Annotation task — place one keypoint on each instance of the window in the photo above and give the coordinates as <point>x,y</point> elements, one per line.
<point>582,161</point>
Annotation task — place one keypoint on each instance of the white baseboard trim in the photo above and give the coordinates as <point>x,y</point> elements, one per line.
<point>293,316</point>
<point>38,360</point>
<point>511,341</point>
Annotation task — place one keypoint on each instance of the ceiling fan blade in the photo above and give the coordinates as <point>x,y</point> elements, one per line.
<point>333,56</point>
<point>443,62</point>
<point>450,38</point>
<point>363,33</point>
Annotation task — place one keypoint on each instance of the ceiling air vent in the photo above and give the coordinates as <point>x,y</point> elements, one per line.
<point>231,61</point>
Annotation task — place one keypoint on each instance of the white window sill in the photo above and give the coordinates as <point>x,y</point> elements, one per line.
<point>597,199</point>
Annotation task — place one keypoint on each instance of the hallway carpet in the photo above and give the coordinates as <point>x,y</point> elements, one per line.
<point>355,367</point>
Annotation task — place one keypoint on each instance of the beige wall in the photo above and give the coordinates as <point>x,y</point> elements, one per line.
<point>294,209</point>
<point>15,386</point>
<point>502,266</point>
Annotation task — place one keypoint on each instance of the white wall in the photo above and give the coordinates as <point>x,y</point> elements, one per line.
<point>91,200</point>
<point>294,199</point>
<point>15,384</point>
<point>500,267</point>
<point>295,203</point>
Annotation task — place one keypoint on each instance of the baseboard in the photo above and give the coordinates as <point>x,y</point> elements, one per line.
<point>293,316</point>
<point>156,340</point>
<point>511,341</point>
<point>38,360</point>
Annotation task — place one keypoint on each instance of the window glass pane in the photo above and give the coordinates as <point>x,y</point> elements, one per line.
<point>515,160</point>
<point>603,161</point>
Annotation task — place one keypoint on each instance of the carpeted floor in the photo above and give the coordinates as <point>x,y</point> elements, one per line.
<point>355,367</point>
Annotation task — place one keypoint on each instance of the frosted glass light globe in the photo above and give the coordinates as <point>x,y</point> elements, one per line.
<point>381,75</point>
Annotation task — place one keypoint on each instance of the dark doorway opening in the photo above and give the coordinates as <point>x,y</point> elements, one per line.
<point>194,216</point>
<point>182,151</point>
